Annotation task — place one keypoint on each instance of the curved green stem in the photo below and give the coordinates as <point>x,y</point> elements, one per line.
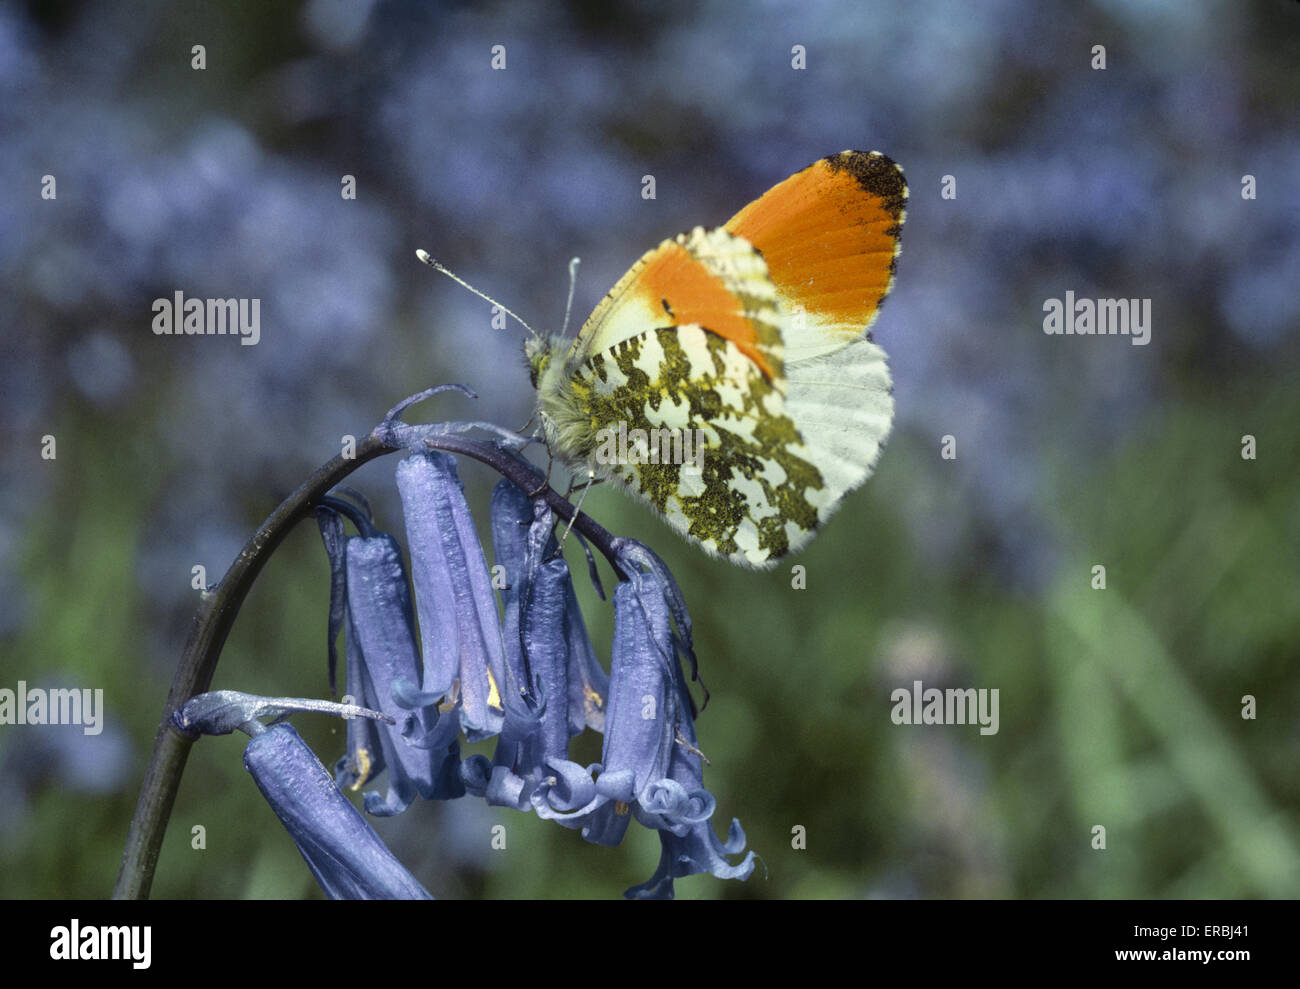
<point>212,623</point>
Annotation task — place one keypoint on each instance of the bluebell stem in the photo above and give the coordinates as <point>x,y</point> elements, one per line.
<point>220,712</point>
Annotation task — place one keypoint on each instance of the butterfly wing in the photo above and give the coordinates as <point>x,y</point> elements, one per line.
<point>759,350</point>
<point>830,237</point>
<point>843,403</point>
<point>708,278</point>
<point>747,489</point>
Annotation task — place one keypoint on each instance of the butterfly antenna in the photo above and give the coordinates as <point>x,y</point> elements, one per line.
<point>438,266</point>
<point>573,281</point>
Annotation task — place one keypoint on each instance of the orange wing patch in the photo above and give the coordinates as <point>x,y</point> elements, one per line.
<point>709,278</point>
<point>830,237</point>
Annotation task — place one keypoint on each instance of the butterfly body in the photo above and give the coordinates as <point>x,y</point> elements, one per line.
<point>727,379</point>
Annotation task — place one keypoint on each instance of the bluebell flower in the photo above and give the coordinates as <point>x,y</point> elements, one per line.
<point>364,759</point>
<point>421,750</point>
<point>555,686</point>
<point>459,627</point>
<point>522,540</point>
<point>530,676</point>
<point>681,809</point>
<point>347,857</point>
<point>384,671</point>
<point>651,766</point>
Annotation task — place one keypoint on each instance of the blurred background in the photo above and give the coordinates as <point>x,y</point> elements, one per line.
<point>1119,708</point>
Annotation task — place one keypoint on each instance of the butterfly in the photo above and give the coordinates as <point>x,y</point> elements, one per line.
<point>728,379</point>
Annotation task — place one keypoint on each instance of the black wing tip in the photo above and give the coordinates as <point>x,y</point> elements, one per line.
<point>876,173</point>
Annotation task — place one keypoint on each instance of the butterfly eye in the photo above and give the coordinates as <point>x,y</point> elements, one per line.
<point>538,358</point>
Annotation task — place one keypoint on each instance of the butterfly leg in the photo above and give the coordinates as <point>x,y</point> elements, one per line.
<point>530,421</point>
<point>591,479</point>
<point>550,462</point>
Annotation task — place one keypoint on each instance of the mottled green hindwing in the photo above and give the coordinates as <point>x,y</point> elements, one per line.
<point>755,493</point>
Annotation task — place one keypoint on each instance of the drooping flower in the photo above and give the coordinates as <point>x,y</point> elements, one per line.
<point>651,766</point>
<point>529,676</point>
<point>347,857</point>
<point>523,540</point>
<point>384,671</point>
<point>555,686</point>
<point>420,752</point>
<point>681,809</point>
<point>459,628</point>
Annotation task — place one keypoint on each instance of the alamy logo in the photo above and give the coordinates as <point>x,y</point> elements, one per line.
<point>77,943</point>
<point>1099,317</point>
<point>55,706</point>
<point>954,706</point>
<point>213,317</point>
<point>650,446</point>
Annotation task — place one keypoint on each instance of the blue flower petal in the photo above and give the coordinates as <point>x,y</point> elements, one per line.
<point>546,658</point>
<point>381,640</point>
<point>697,851</point>
<point>512,514</point>
<point>453,592</point>
<point>364,759</point>
<point>344,853</point>
<point>522,537</point>
<point>332,534</point>
<point>642,708</point>
<point>588,683</point>
<point>682,809</point>
<point>607,823</point>
<point>569,787</point>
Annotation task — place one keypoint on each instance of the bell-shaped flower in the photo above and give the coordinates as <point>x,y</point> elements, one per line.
<point>384,671</point>
<point>681,809</point>
<point>364,759</point>
<point>459,628</point>
<point>644,703</point>
<point>546,647</point>
<point>381,649</point>
<point>651,766</point>
<point>347,857</point>
<point>522,540</point>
